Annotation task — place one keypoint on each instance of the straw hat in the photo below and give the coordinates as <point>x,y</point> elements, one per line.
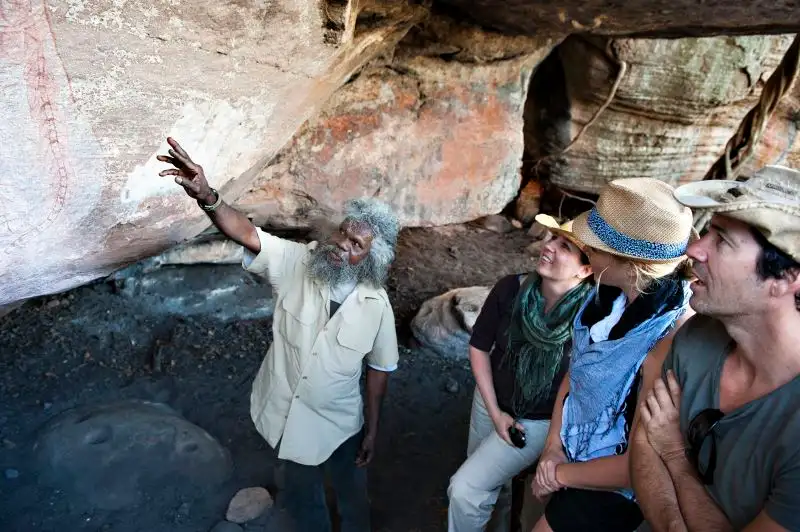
<point>638,218</point>
<point>769,201</point>
<point>564,229</point>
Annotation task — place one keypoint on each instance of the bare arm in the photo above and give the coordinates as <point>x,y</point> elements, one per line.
<point>602,473</point>
<point>699,510</point>
<point>653,487</point>
<point>235,226</point>
<point>607,473</point>
<point>482,370</point>
<point>376,390</point>
<point>191,177</point>
<point>659,412</point>
<point>649,476</point>
<point>545,482</point>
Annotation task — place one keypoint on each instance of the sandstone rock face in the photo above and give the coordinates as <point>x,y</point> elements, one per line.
<point>92,90</point>
<point>676,106</point>
<point>684,18</point>
<point>779,143</point>
<point>434,125</point>
<point>440,140</point>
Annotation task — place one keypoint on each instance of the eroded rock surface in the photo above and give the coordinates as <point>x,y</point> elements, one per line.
<point>680,18</point>
<point>676,106</point>
<point>437,133</point>
<point>93,89</point>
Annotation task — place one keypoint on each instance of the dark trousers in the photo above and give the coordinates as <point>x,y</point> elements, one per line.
<point>303,495</point>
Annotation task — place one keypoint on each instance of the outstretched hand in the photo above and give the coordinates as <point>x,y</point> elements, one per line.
<point>188,174</point>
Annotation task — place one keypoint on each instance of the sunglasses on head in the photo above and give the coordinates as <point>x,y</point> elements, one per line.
<point>700,434</point>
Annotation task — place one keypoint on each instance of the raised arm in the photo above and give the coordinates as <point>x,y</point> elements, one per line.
<point>191,177</point>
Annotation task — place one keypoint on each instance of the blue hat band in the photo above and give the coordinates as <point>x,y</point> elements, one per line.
<point>634,247</point>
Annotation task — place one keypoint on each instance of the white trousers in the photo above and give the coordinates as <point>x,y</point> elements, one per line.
<point>483,482</point>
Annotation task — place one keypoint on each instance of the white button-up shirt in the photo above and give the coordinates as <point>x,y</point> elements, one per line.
<point>306,394</point>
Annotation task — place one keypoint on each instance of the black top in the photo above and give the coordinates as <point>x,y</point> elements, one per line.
<point>490,334</point>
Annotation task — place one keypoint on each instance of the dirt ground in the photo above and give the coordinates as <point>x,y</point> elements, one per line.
<point>94,345</point>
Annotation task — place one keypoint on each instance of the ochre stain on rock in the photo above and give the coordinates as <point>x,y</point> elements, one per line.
<point>441,141</point>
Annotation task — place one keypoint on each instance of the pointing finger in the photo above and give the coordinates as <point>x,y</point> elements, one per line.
<point>171,171</point>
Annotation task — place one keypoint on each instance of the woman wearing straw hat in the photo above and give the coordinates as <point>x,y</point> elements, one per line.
<point>526,324</point>
<point>636,238</point>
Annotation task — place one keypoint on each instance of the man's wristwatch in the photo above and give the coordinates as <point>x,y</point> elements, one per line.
<point>213,206</point>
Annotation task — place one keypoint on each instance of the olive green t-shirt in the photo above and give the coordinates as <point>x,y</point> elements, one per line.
<point>758,444</point>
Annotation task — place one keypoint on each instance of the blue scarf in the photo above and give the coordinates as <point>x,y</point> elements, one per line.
<point>601,373</point>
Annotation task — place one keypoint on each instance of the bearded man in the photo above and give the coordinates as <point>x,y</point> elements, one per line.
<point>331,313</point>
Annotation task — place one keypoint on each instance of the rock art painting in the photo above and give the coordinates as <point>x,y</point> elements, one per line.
<point>40,132</point>
<point>92,88</point>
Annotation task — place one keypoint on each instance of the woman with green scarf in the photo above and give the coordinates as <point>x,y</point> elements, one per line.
<point>517,352</point>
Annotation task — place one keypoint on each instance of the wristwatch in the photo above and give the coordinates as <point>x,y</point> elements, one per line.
<point>213,206</point>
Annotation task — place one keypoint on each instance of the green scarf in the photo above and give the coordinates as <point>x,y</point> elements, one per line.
<point>536,340</point>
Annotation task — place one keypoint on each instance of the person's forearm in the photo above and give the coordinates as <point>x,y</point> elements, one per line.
<point>233,224</point>
<point>482,371</point>
<point>654,490</point>
<point>699,510</point>
<point>607,473</point>
<point>376,390</point>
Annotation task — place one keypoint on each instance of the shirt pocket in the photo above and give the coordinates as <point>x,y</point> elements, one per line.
<point>296,324</point>
<point>354,340</point>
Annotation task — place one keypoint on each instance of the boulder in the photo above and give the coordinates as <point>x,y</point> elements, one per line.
<point>444,323</point>
<point>248,504</point>
<point>436,132</point>
<point>496,223</point>
<point>226,292</point>
<point>676,106</point>
<point>213,251</point>
<point>110,456</point>
<point>93,89</point>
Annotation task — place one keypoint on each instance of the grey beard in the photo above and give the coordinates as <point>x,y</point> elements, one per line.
<point>321,268</point>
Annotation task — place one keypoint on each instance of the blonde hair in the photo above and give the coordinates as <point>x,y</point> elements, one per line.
<point>645,273</point>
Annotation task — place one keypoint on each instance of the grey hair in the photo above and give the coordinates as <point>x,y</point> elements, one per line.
<point>384,225</point>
